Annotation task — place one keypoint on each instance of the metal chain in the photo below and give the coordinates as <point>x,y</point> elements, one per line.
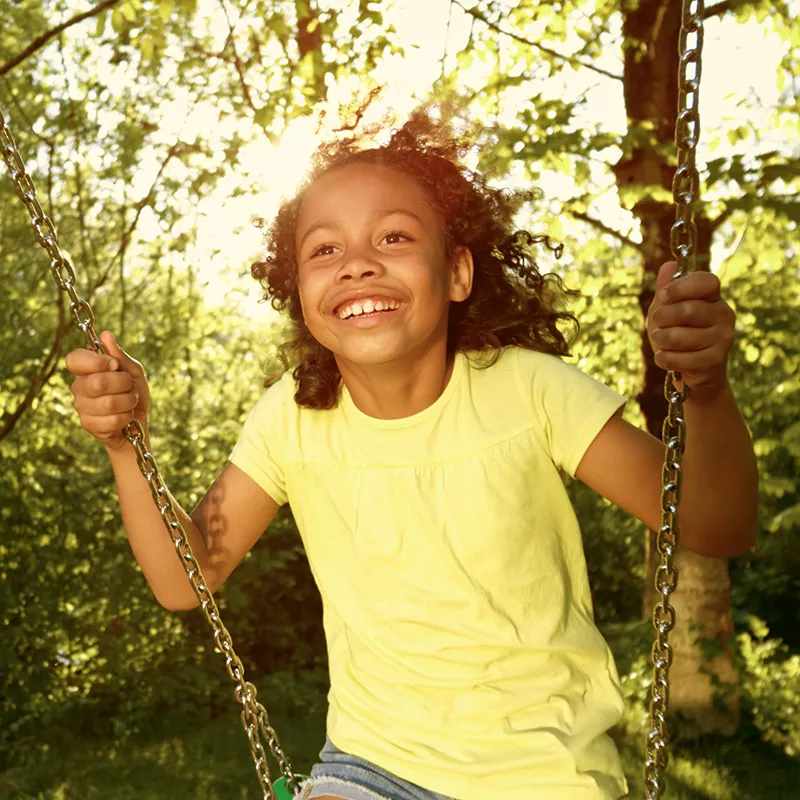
<point>253,715</point>
<point>682,243</point>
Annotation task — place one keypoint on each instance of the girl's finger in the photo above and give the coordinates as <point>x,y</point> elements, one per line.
<point>690,314</point>
<point>102,383</point>
<point>87,362</point>
<point>109,405</point>
<point>697,286</point>
<point>106,425</point>
<point>709,360</point>
<point>684,339</point>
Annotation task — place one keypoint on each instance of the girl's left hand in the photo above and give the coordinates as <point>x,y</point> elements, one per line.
<point>691,329</point>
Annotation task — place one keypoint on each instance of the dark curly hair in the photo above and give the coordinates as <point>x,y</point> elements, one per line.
<point>511,302</point>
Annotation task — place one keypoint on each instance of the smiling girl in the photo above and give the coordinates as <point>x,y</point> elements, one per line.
<point>420,440</point>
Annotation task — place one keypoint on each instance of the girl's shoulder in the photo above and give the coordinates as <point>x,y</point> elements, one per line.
<point>547,381</point>
<point>275,403</point>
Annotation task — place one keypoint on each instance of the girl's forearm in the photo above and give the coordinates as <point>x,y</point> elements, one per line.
<point>150,541</point>
<point>719,500</point>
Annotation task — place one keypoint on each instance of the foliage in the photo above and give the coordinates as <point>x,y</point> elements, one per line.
<point>764,367</point>
<point>84,649</point>
<point>613,545</point>
<point>771,687</point>
<point>89,642</point>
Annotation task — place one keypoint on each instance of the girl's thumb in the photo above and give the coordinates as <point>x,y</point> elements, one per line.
<point>115,351</point>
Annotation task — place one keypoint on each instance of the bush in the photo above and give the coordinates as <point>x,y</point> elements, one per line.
<point>770,684</point>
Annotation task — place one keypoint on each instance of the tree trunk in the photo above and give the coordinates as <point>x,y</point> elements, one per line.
<point>703,686</point>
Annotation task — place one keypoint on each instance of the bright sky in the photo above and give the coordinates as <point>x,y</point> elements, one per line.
<point>738,60</point>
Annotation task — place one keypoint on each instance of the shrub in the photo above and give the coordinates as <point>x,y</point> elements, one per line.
<point>770,686</point>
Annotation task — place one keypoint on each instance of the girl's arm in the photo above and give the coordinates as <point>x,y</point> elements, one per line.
<point>111,390</point>
<point>719,490</point>
<point>691,330</point>
<point>226,524</point>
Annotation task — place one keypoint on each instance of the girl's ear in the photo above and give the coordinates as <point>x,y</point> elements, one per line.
<point>461,274</point>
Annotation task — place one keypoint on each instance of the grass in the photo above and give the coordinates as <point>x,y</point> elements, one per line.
<point>212,760</point>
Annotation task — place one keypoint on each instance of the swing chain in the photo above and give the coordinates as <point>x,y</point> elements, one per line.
<point>253,715</point>
<point>60,266</point>
<point>683,236</point>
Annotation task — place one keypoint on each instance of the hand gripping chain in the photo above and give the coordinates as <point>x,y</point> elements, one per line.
<point>254,716</point>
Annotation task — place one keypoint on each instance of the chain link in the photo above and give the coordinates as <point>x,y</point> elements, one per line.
<point>254,716</point>
<point>683,239</point>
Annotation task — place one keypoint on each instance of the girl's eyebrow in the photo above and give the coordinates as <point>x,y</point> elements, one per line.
<point>378,213</point>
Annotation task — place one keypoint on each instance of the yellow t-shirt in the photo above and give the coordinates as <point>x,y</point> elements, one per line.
<point>462,648</point>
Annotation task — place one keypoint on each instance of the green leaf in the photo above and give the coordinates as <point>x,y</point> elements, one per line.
<point>147,48</point>
<point>117,21</point>
<point>128,11</point>
<point>100,25</point>
<point>165,9</point>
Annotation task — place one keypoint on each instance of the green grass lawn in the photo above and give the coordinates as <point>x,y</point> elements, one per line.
<point>212,760</point>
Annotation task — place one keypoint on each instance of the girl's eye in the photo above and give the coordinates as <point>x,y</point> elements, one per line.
<point>395,237</point>
<point>322,250</point>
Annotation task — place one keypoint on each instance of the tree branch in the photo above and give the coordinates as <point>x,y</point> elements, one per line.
<point>446,36</point>
<point>601,226</point>
<point>49,366</point>
<point>475,14</point>
<point>237,62</point>
<point>127,234</point>
<point>718,9</point>
<point>45,38</point>
<point>87,243</point>
<point>24,114</point>
<point>720,219</point>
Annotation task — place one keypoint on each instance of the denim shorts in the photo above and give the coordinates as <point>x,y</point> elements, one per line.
<point>353,778</point>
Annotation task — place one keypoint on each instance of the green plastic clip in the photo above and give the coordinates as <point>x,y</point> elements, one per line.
<point>281,790</point>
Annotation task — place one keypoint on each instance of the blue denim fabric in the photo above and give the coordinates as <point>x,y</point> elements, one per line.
<point>353,778</point>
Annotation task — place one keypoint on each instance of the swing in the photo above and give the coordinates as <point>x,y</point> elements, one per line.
<point>682,244</point>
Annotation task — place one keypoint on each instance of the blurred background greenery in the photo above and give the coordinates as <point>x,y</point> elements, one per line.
<point>154,130</point>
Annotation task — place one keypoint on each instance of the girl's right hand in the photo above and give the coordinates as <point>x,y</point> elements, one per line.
<point>109,390</point>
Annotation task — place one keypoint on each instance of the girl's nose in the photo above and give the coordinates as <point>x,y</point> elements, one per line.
<point>358,267</point>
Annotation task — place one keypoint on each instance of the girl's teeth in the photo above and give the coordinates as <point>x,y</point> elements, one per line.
<point>356,309</point>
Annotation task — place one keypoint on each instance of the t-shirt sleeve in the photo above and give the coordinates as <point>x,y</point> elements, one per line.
<point>262,443</point>
<point>570,408</point>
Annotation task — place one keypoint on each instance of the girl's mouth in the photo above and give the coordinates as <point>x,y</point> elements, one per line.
<point>367,305</point>
<point>368,312</point>
<point>369,319</point>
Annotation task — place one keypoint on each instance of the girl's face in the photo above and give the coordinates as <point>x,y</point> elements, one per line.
<point>374,276</point>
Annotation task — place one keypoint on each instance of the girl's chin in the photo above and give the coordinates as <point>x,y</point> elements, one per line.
<point>367,357</point>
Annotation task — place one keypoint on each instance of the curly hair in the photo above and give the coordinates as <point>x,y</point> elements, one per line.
<point>511,302</point>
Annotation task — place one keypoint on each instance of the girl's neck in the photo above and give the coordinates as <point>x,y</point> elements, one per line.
<point>398,389</point>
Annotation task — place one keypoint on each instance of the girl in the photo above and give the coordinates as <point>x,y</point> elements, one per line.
<point>420,440</point>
